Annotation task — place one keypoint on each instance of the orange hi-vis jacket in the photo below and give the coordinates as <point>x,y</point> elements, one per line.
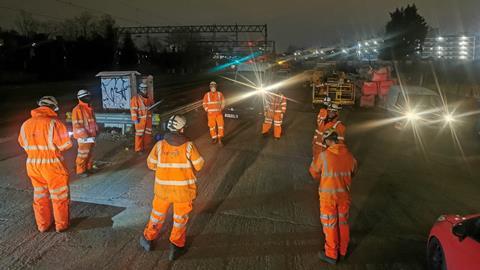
<point>44,137</point>
<point>323,126</point>
<point>139,108</point>
<point>322,115</point>
<point>275,104</point>
<point>83,121</point>
<point>213,102</point>
<point>334,167</point>
<point>175,180</point>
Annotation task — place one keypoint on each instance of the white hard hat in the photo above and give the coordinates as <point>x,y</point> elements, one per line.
<point>213,83</point>
<point>327,99</point>
<point>176,122</point>
<point>143,85</point>
<point>83,93</point>
<point>334,107</point>
<point>49,101</point>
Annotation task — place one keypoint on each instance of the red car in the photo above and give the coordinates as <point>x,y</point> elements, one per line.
<point>454,243</point>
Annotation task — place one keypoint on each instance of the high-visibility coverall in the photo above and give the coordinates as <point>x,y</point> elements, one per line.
<point>214,103</point>
<point>275,107</point>
<point>174,184</point>
<point>44,137</point>
<point>84,126</point>
<point>322,126</point>
<point>334,168</point>
<point>142,118</point>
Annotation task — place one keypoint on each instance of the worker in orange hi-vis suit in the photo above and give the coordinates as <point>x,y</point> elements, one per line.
<point>334,168</point>
<point>84,130</point>
<point>174,160</point>
<point>142,118</point>
<point>44,137</point>
<point>331,121</point>
<point>275,106</point>
<point>214,103</point>
<point>321,117</point>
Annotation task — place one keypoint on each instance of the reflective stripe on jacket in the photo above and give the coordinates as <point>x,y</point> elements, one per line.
<point>83,121</point>
<point>139,107</point>
<point>174,170</point>
<point>334,167</point>
<point>213,102</point>
<point>44,137</point>
<point>275,103</point>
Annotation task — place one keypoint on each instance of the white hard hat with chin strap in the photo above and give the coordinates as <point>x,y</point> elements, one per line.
<point>83,93</point>
<point>176,123</point>
<point>334,108</point>
<point>49,101</point>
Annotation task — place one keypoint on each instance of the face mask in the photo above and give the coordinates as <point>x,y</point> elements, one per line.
<point>86,99</point>
<point>213,89</point>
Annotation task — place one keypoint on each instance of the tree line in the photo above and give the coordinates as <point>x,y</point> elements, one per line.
<point>87,43</point>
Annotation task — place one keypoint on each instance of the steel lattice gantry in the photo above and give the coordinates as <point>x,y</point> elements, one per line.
<point>214,28</point>
<point>269,45</point>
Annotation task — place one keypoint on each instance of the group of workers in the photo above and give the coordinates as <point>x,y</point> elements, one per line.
<point>175,159</point>
<point>44,138</point>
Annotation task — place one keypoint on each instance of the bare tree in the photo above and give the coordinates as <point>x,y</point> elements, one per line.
<point>86,24</point>
<point>26,24</point>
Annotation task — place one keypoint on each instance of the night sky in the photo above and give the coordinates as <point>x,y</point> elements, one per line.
<point>301,22</point>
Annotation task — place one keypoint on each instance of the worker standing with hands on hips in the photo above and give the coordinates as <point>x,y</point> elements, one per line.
<point>44,137</point>
<point>214,103</point>
<point>334,168</point>
<point>275,106</point>
<point>84,130</point>
<point>142,118</point>
<point>174,160</point>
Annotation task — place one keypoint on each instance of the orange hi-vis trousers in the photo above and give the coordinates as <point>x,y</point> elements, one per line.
<point>180,219</point>
<point>334,219</point>
<point>143,134</point>
<point>215,121</point>
<point>273,118</point>
<point>50,188</point>
<point>84,159</point>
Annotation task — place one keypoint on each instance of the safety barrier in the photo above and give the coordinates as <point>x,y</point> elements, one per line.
<point>119,120</point>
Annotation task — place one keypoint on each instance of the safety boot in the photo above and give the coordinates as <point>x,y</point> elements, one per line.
<point>326,259</point>
<point>60,230</point>
<point>175,252</point>
<point>146,244</point>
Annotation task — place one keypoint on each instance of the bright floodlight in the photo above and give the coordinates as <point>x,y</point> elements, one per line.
<point>344,51</point>
<point>449,118</point>
<point>412,116</point>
